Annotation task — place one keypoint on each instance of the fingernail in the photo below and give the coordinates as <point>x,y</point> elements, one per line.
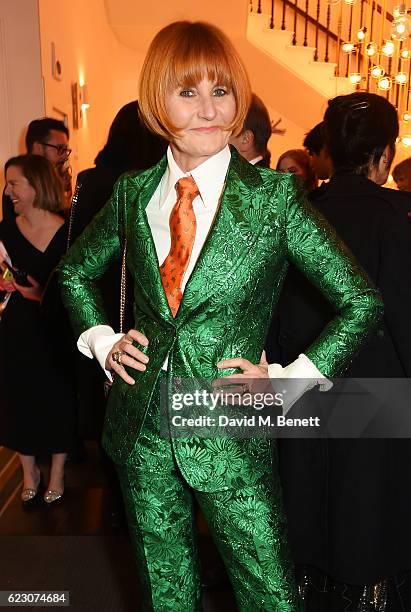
<point>145,359</point>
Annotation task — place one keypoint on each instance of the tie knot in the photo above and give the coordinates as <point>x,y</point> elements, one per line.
<point>186,187</point>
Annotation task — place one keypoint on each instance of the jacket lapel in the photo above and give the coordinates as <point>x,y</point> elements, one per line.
<point>233,233</point>
<point>142,256</point>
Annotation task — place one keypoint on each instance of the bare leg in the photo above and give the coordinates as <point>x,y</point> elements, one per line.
<point>57,472</point>
<point>31,471</point>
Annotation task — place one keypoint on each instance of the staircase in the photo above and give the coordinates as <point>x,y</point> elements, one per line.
<point>298,59</point>
<point>10,477</point>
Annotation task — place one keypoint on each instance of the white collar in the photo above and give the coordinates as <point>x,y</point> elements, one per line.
<point>255,160</point>
<point>209,176</point>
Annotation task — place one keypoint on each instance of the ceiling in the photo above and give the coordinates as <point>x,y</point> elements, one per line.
<point>135,22</point>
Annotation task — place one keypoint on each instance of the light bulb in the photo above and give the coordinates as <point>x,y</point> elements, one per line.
<point>350,2</point>
<point>377,72</point>
<point>400,28</point>
<point>348,47</point>
<point>406,116</point>
<point>406,140</point>
<point>384,83</point>
<point>401,78</point>
<point>361,34</point>
<point>399,11</point>
<point>388,48</point>
<point>355,78</point>
<point>371,49</point>
<point>405,54</point>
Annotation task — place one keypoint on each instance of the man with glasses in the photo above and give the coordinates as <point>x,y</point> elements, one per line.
<point>49,138</point>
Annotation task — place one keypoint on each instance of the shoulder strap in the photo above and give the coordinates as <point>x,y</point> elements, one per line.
<point>123,280</point>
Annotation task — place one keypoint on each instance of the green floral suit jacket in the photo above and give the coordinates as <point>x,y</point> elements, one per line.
<point>262,223</point>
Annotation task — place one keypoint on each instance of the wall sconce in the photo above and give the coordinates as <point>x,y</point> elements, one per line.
<point>84,98</point>
<point>80,103</point>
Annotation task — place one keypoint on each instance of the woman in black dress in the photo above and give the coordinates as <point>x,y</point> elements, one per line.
<point>347,500</point>
<point>37,407</point>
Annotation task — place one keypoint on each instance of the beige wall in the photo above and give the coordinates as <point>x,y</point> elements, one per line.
<point>87,49</point>
<point>21,87</point>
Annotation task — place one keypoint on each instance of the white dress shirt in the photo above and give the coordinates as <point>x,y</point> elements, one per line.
<point>255,160</point>
<point>209,177</point>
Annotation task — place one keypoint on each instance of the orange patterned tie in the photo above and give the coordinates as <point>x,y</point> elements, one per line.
<point>182,232</point>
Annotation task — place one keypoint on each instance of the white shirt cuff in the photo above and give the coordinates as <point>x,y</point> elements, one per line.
<point>97,342</point>
<point>304,374</point>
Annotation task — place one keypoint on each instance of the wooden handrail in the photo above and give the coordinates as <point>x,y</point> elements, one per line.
<point>310,19</point>
<point>322,27</point>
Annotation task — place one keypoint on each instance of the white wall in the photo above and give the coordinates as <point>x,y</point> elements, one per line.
<point>87,49</point>
<point>21,86</point>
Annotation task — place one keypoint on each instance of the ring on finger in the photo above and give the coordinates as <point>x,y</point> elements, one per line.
<point>116,357</point>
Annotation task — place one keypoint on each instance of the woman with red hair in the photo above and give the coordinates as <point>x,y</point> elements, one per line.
<point>208,238</point>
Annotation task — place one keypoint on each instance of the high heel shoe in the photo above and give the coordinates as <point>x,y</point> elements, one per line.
<point>53,497</point>
<point>30,497</point>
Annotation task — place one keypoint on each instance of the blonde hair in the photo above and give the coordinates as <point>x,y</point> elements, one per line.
<point>181,55</point>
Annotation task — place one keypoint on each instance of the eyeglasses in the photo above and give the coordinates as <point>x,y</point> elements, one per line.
<point>61,149</point>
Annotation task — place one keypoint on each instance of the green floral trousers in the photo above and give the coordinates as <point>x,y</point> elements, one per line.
<point>246,521</point>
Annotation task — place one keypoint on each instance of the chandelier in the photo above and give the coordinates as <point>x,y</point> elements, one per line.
<point>379,57</point>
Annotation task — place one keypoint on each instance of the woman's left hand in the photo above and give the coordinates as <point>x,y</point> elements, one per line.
<point>34,293</point>
<point>249,369</point>
<point>247,381</point>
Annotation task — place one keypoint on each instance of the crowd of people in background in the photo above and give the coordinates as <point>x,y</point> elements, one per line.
<point>341,537</point>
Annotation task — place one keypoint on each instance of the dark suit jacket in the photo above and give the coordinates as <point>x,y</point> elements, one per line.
<point>348,500</point>
<point>371,221</point>
<point>96,188</point>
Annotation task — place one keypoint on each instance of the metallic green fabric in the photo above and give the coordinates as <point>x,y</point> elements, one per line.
<point>247,524</point>
<point>262,222</point>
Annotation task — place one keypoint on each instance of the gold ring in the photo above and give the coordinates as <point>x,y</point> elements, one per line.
<point>116,357</point>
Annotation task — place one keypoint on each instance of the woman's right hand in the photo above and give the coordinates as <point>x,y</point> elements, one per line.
<point>126,354</point>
